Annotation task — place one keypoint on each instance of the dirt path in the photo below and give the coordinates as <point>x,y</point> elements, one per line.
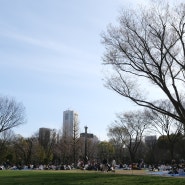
<point>132,172</point>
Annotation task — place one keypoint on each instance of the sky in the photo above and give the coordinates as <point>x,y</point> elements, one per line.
<point>51,61</point>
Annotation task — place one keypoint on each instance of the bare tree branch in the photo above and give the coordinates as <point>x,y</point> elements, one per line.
<point>148,44</point>
<point>12,114</point>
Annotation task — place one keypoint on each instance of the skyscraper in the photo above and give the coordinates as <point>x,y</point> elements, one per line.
<point>70,123</point>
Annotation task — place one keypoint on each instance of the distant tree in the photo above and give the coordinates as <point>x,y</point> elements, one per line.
<point>6,139</point>
<point>75,139</point>
<point>151,152</point>
<point>23,148</point>
<point>128,129</point>
<point>148,46</point>
<point>105,151</point>
<point>12,113</point>
<point>66,150</point>
<point>92,148</point>
<point>166,125</point>
<point>180,148</point>
<point>37,150</point>
<point>163,149</point>
<point>115,135</point>
<point>92,144</point>
<point>49,145</point>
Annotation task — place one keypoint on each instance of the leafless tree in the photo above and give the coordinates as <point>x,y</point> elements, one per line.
<point>69,143</point>
<point>128,129</point>
<point>166,125</point>
<point>75,139</point>
<point>12,113</point>
<point>23,148</point>
<point>6,138</point>
<point>148,46</point>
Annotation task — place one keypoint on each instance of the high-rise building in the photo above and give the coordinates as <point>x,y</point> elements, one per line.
<point>70,123</point>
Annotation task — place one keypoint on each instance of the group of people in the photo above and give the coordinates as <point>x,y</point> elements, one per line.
<point>108,167</point>
<point>93,165</point>
<point>82,164</point>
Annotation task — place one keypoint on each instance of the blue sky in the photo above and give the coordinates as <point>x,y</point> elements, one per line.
<point>50,59</point>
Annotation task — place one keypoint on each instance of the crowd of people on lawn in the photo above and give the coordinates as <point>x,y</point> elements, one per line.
<point>104,166</point>
<point>81,164</point>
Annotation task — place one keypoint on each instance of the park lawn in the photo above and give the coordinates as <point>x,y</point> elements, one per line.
<point>83,178</point>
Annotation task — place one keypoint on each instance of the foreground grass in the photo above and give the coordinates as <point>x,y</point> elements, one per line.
<point>83,178</point>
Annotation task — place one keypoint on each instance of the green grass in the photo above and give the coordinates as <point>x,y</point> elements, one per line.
<point>83,178</point>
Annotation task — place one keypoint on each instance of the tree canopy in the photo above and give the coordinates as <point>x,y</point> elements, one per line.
<point>12,113</point>
<point>148,45</point>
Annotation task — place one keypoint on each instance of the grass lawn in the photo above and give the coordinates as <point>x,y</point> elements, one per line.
<point>82,178</point>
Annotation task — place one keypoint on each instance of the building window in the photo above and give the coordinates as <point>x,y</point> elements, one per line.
<point>66,116</point>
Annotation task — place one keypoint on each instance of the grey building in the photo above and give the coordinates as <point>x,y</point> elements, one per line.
<point>70,123</point>
<point>150,140</point>
<point>45,135</point>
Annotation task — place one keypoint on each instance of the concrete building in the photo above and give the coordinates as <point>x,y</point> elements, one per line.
<point>46,135</point>
<point>70,123</point>
<point>150,140</point>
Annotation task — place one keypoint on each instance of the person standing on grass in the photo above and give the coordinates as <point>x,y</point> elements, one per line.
<point>113,164</point>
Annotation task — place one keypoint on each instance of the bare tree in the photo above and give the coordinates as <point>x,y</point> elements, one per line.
<point>166,126</point>
<point>12,114</point>
<point>75,139</point>
<point>128,129</point>
<point>6,138</point>
<point>148,45</point>
<point>23,148</point>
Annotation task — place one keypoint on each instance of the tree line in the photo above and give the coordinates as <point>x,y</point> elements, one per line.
<point>127,143</point>
<point>126,139</point>
<point>144,52</point>
<point>147,136</point>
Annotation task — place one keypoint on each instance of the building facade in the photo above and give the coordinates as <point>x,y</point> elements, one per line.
<point>70,123</point>
<point>150,140</point>
<point>46,135</point>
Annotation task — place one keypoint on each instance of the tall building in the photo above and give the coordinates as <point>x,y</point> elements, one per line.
<point>46,135</point>
<point>70,123</point>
